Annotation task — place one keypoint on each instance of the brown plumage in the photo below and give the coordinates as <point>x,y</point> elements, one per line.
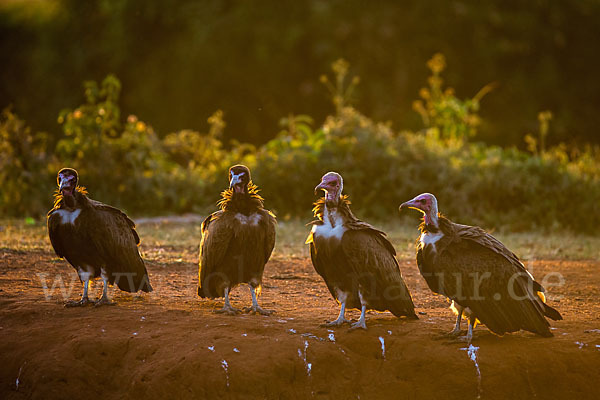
<point>479,274</point>
<point>355,260</point>
<point>237,242</point>
<point>96,239</point>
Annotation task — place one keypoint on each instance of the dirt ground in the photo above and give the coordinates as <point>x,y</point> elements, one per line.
<point>170,344</point>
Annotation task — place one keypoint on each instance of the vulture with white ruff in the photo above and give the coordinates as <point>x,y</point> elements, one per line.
<point>96,239</point>
<point>485,280</point>
<point>355,260</point>
<point>237,242</point>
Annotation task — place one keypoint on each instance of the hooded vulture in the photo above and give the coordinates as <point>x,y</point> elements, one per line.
<point>237,242</point>
<point>484,279</point>
<point>96,239</point>
<point>355,260</point>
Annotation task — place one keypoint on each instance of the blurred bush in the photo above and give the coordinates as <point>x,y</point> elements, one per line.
<point>474,183</point>
<point>125,163</point>
<point>180,60</point>
<point>26,176</point>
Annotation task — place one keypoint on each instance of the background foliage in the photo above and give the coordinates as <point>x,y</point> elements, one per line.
<point>180,60</point>
<point>124,162</point>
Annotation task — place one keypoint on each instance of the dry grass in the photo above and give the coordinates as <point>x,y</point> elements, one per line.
<point>178,239</point>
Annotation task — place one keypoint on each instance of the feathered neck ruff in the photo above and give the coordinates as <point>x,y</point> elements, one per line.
<point>244,203</point>
<point>79,196</point>
<point>444,225</point>
<point>342,206</point>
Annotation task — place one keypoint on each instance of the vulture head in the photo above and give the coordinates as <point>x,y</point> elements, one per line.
<point>239,178</point>
<point>332,183</point>
<point>427,204</point>
<point>67,180</point>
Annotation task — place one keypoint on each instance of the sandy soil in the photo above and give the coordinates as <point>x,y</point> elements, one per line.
<point>171,344</point>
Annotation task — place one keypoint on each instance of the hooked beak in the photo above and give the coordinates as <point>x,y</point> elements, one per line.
<point>235,180</point>
<point>65,186</point>
<point>320,186</point>
<point>407,205</point>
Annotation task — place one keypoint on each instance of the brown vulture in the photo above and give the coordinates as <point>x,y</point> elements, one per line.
<point>484,279</point>
<point>355,260</point>
<point>96,239</point>
<point>237,242</point>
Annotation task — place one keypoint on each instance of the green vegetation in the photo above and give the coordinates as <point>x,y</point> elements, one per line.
<point>124,162</point>
<point>180,60</point>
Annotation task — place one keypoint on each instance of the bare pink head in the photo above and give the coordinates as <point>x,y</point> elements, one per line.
<point>427,204</point>
<point>333,184</point>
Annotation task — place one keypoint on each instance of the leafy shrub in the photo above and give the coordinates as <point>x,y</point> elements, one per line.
<point>474,183</point>
<point>25,176</point>
<point>125,163</point>
<point>441,111</point>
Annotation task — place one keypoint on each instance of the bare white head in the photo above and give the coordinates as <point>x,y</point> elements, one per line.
<point>333,184</point>
<point>239,178</point>
<point>427,204</point>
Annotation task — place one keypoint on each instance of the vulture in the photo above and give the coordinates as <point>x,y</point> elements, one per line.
<point>355,260</point>
<point>484,280</point>
<point>96,239</point>
<point>237,241</point>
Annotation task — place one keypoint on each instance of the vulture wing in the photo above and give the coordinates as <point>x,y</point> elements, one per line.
<point>321,267</point>
<point>270,227</point>
<point>114,236</point>
<point>490,280</point>
<point>53,222</point>
<point>481,237</point>
<point>216,236</point>
<point>117,214</point>
<point>372,258</point>
<point>330,264</point>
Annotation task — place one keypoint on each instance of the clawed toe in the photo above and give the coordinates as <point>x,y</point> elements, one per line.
<point>453,333</point>
<point>337,322</point>
<point>358,325</point>
<point>464,339</point>
<point>459,339</point>
<point>104,301</point>
<point>257,310</point>
<point>228,311</point>
<point>83,302</point>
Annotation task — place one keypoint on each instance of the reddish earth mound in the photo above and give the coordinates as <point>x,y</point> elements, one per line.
<point>170,344</point>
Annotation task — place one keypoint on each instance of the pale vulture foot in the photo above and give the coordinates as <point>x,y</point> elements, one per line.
<point>359,324</point>
<point>335,322</point>
<point>228,309</point>
<point>83,302</point>
<point>258,310</point>
<point>104,301</point>
<point>464,339</point>
<point>453,333</point>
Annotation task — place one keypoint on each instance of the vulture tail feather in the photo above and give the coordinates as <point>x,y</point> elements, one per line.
<point>552,313</point>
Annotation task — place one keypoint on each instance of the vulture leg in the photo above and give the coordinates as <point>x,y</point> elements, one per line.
<point>469,336</point>
<point>256,309</point>
<point>104,300</point>
<point>459,313</point>
<point>361,321</point>
<point>84,298</point>
<point>227,308</point>
<point>341,318</point>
